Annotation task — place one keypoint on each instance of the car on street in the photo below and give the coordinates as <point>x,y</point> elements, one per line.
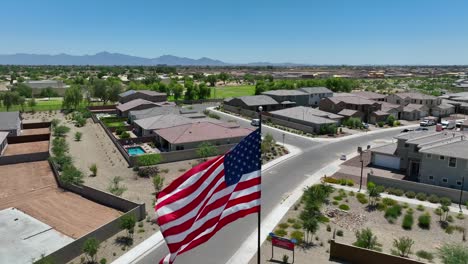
<point>427,122</point>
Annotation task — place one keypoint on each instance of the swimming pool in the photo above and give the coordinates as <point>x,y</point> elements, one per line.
<point>134,151</point>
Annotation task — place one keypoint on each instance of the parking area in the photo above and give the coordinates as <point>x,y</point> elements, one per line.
<point>31,188</point>
<point>26,148</point>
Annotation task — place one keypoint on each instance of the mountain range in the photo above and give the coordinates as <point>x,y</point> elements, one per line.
<point>107,58</point>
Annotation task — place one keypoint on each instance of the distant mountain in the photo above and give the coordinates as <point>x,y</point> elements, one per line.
<point>103,58</point>
<point>107,58</point>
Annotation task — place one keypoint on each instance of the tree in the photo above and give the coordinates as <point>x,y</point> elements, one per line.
<point>23,90</point>
<point>403,246</point>
<point>90,248</point>
<point>10,99</point>
<point>72,98</point>
<point>206,150</point>
<point>224,76</point>
<point>203,91</point>
<point>48,92</point>
<point>374,192</point>
<point>22,102</point>
<point>158,183</point>
<point>32,103</point>
<point>268,143</point>
<point>113,91</point>
<point>128,222</point>
<point>99,89</point>
<point>212,79</point>
<point>453,254</point>
<point>366,239</point>
<point>190,90</point>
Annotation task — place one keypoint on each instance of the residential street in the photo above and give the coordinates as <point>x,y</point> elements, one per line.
<point>277,183</point>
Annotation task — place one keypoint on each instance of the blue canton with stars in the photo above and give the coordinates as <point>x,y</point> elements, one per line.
<point>244,158</point>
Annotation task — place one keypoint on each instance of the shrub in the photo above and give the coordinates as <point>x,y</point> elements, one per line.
<point>335,203</point>
<point>125,135</point>
<point>128,222</point>
<point>147,172</point>
<point>351,193</point>
<point>78,135</point>
<point>366,239</point>
<point>344,207</point>
<point>421,196</point>
<point>298,235</point>
<point>119,130</point>
<point>148,159</point>
<point>330,180</point>
<point>450,219</point>
<point>460,216</point>
<point>90,248</point>
<point>393,212</point>
<point>71,175</point>
<point>339,233</point>
<point>60,131</point>
<point>283,225</point>
<point>285,258</point>
<point>205,150</point>
<point>453,253</point>
<point>425,255</point>
<point>337,198</point>
<point>93,168</point>
<point>410,194</point>
<point>389,201</point>
<point>115,188</point>
<point>403,246</point>
<point>381,124</point>
<point>362,198</point>
<point>394,191</point>
<point>433,198</point>
<point>158,183</point>
<point>405,205</point>
<point>297,225</point>
<point>323,219</point>
<point>407,221</point>
<point>291,220</point>
<point>445,201</point>
<point>54,122</point>
<point>281,232</point>
<point>420,208</point>
<point>424,221</point>
<point>328,228</point>
<point>103,261</point>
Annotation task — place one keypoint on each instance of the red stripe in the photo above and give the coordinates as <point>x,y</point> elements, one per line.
<point>193,203</point>
<point>192,187</point>
<point>247,184</point>
<point>177,182</point>
<point>173,247</point>
<point>223,222</point>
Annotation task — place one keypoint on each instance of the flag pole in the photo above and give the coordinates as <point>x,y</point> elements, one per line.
<point>260,109</point>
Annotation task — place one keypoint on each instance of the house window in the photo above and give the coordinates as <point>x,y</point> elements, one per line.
<point>444,180</point>
<point>429,156</point>
<point>431,178</point>
<point>420,101</point>
<point>441,157</point>
<point>452,162</point>
<point>398,101</point>
<point>406,145</point>
<point>459,183</point>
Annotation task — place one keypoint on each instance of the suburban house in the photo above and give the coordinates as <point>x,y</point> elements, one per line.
<point>347,113</point>
<point>306,119</point>
<point>190,136</point>
<point>337,103</point>
<point>146,126</point>
<point>138,104</point>
<point>253,102</point>
<point>56,85</point>
<point>10,122</point>
<point>147,95</point>
<point>316,94</point>
<point>410,155</point>
<point>391,109</point>
<point>378,116</point>
<point>154,111</point>
<point>413,98</point>
<point>414,112</point>
<point>458,100</point>
<point>3,141</point>
<point>443,110</point>
<point>297,96</point>
<point>370,95</point>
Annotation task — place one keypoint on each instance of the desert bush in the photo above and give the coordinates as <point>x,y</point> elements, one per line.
<point>420,208</point>
<point>407,221</point>
<point>78,136</point>
<point>344,207</point>
<point>381,124</point>
<point>71,175</point>
<point>281,232</point>
<point>433,198</point>
<point>393,212</point>
<point>340,233</point>
<point>291,220</point>
<point>445,201</point>
<point>453,254</point>
<point>115,187</point>
<point>283,225</point>
<point>389,201</point>
<point>148,171</point>
<point>425,255</point>
<point>362,198</point>
<point>298,235</point>
<point>158,183</point>
<point>410,194</point>
<point>124,135</point>
<point>403,246</point>
<point>93,168</point>
<point>297,225</point>
<point>90,248</point>
<point>421,196</point>
<point>366,239</point>
<point>424,221</point>
<point>61,131</point>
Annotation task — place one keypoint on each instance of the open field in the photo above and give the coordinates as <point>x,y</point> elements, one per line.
<point>43,105</point>
<point>232,91</point>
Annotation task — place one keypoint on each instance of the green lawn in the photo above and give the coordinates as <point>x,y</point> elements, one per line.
<point>52,104</point>
<point>232,91</point>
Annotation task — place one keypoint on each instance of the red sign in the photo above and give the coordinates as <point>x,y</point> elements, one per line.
<point>282,243</point>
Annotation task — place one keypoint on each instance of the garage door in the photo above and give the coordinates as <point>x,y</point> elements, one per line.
<point>386,161</point>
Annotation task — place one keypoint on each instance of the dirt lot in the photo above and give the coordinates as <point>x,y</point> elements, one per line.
<point>31,188</point>
<point>359,217</point>
<point>26,148</point>
<point>34,131</point>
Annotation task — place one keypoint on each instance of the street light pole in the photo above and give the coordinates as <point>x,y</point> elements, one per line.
<point>362,168</point>
<point>461,193</point>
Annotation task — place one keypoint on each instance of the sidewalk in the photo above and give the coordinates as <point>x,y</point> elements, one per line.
<point>156,240</point>
<point>319,139</point>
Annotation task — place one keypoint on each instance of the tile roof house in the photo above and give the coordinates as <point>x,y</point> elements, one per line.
<point>297,96</point>
<point>413,98</point>
<point>337,103</point>
<point>253,102</point>
<point>153,111</point>
<point>316,94</point>
<point>190,136</point>
<point>137,104</point>
<point>145,126</point>
<point>414,112</point>
<point>304,118</point>
<point>370,95</point>
<point>443,110</point>
<point>10,122</point>
<point>148,95</point>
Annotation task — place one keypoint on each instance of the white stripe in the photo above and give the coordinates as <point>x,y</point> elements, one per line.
<point>212,214</point>
<point>180,203</point>
<point>215,197</point>
<point>234,209</point>
<point>189,181</point>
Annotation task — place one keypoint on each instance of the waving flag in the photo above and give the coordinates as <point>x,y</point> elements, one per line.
<point>209,196</point>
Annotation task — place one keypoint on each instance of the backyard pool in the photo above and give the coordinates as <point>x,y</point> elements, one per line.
<point>134,151</point>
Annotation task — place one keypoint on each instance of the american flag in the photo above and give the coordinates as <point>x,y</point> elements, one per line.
<point>209,196</point>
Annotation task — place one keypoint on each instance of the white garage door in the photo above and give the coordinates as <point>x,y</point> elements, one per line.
<point>387,161</point>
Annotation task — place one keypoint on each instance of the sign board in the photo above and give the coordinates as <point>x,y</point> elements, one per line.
<point>282,243</point>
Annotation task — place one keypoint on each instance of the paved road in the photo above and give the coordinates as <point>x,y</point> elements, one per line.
<point>277,182</point>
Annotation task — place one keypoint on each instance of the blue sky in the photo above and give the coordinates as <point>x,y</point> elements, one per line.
<point>301,31</point>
